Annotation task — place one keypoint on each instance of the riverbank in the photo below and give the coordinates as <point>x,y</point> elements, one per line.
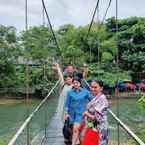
<point>10,101</point>
<point>125,95</point>
<point>4,101</point>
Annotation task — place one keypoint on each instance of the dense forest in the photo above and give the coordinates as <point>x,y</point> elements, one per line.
<point>110,55</point>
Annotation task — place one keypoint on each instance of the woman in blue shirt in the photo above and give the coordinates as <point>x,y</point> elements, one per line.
<point>75,106</point>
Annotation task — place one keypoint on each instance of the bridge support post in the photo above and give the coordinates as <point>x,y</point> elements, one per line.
<point>28,134</point>
<point>118,134</point>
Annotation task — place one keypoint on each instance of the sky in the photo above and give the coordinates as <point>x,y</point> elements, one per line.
<point>77,12</point>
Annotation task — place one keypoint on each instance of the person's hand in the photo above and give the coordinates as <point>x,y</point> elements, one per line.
<point>86,113</point>
<point>85,65</point>
<point>66,116</point>
<point>85,70</point>
<point>55,66</point>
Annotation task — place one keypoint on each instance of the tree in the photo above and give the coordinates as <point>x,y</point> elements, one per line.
<point>39,49</point>
<point>8,51</point>
<point>132,47</point>
<point>38,44</point>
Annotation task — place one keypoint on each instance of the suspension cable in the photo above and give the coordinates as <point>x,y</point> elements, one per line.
<point>117,63</point>
<point>91,23</point>
<point>27,72</point>
<point>50,25</point>
<point>26,15</point>
<point>89,29</point>
<point>26,65</point>
<point>106,11</point>
<point>104,17</point>
<point>92,20</point>
<point>43,16</point>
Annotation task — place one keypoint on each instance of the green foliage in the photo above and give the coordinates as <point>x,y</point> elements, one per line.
<point>72,55</point>
<point>132,47</point>
<point>38,44</point>
<point>91,44</point>
<point>96,71</point>
<point>142,133</point>
<point>110,46</point>
<point>107,57</point>
<point>20,76</point>
<point>8,52</point>
<point>123,24</point>
<point>2,142</point>
<point>135,61</point>
<point>100,50</point>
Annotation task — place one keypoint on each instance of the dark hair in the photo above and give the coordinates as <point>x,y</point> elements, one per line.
<point>99,82</point>
<point>64,68</point>
<point>79,75</point>
<point>67,75</point>
<point>69,65</point>
<point>76,78</point>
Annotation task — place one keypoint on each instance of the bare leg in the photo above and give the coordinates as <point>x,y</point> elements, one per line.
<point>76,134</point>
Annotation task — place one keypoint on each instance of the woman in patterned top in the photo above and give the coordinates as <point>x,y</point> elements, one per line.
<point>97,110</point>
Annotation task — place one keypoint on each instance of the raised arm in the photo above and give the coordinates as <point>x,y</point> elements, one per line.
<point>85,71</point>
<point>59,72</point>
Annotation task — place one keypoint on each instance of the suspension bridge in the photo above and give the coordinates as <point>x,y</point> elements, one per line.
<point>50,133</point>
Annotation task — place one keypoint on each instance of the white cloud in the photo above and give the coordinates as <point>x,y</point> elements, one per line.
<point>77,12</point>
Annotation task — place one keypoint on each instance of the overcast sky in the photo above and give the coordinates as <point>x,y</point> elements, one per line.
<point>77,12</point>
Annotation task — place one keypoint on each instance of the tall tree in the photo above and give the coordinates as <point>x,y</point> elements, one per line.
<point>8,52</point>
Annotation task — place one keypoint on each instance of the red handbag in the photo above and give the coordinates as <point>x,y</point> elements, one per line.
<point>92,137</point>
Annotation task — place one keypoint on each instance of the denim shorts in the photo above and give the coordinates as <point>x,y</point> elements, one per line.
<point>76,118</point>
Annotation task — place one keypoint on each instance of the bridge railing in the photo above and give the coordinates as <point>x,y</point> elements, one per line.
<point>120,133</point>
<point>33,130</point>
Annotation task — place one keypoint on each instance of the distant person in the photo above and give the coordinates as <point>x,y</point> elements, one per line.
<point>75,105</point>
<point>69,70</point>
<point>97,110</point>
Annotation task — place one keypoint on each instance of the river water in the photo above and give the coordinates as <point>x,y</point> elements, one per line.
<point>131,114</point>
<point>12,116</point>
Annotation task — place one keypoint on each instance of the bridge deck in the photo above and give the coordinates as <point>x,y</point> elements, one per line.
<point>54,132</point>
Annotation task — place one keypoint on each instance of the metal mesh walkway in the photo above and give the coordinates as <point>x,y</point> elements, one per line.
<point>54,132</point>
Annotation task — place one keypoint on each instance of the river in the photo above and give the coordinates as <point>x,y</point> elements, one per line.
<point>13,114</point>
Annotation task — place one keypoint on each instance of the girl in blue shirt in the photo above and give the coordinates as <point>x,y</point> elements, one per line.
<point>75,106</point>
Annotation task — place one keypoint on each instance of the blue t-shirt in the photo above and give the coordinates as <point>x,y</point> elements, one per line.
<point>77,100</point>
